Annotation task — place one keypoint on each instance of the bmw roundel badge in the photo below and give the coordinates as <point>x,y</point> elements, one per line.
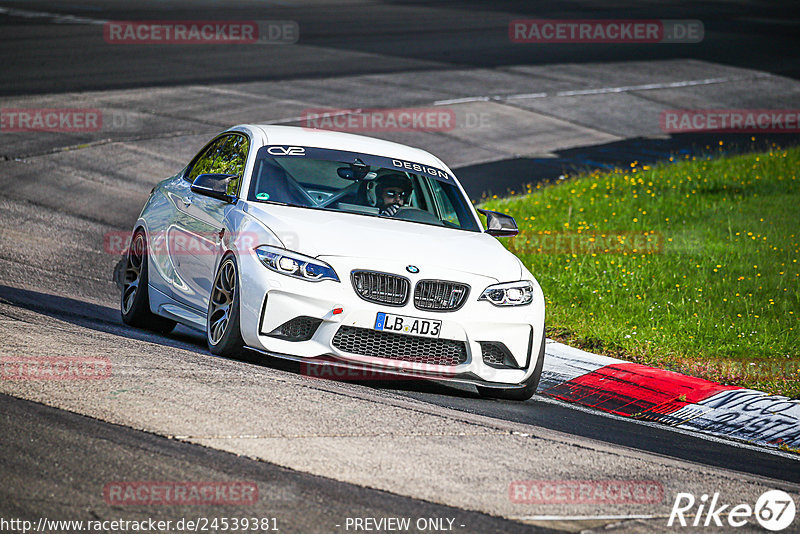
<point>412,269</point>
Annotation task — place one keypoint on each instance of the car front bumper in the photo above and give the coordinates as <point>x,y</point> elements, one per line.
<point>270,300</point>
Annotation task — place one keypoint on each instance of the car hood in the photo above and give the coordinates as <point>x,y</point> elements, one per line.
<point>327,233</point>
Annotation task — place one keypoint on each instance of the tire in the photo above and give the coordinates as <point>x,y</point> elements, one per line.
<point>135,298</point>
<point>519,394</point>
<point>223,332</point>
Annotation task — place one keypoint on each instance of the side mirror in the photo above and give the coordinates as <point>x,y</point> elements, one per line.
<point>214,186</point>
<point>500,224</point>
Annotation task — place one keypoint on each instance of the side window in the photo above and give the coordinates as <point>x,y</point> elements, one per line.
<point>227,155</point>
<point>231,158</point>
<point>448,212</point>
<point>205,162</point>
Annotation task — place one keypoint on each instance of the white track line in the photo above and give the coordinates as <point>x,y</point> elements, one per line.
<point>601,90</point>
<point>580,517</point>
<point>578,92</point>
<point>57,18</point>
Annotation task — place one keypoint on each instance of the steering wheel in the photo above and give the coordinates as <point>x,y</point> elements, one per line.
<point>410,213</point>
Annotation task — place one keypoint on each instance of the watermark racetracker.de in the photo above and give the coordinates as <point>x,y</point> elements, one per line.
<point>730,120</point>
<point>606,242</point>
<point>425,119</point>
<point>174,242</point>
<point>161,493</point>
<point>200,32</point>
<point>730,371</point>
<point>69,120</point>
<point>585,492</point>
<point>50,120</point>
<point>177,242</point>
<point>358,372</point>
<point>379,120</point>
<point>605,31</point>
<point>54,368</point>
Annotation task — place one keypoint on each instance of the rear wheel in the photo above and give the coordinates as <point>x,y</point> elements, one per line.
<point>135,300</point>
<point>529,385</point>
<point>223,333</point>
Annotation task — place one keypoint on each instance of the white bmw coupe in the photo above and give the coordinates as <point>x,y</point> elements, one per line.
<point>339,250</point>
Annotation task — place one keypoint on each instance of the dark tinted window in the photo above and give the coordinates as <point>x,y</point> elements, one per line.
<point>226,155</point>
<point>326,179</point>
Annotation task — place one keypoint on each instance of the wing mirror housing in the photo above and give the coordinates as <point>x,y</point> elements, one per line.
<point>214,186</point>
<point>499,224</point>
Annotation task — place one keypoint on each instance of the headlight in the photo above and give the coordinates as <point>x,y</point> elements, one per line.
<point>509,294</point>
<point>294,264</point>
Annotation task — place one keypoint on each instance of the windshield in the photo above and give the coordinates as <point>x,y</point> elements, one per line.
<point>358,183</point>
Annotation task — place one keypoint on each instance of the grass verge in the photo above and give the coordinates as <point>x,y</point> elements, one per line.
<point>688,265</point>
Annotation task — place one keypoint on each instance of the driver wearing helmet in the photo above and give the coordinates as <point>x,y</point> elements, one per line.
<point>392,191</point>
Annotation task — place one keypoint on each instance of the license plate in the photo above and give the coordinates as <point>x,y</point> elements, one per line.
<point>413,326</point>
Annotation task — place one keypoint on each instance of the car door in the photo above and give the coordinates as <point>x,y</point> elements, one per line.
<point>197,232</point>
<point>166,240</point>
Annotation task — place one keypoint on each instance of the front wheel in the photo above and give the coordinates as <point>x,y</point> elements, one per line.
<point>223,333</point>
<point>529,385</point>
<point>135,300</point>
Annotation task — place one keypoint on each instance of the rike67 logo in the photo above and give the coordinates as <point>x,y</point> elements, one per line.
<point>774,510</point>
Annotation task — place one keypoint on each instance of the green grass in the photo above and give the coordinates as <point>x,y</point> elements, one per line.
<point>693,265</point>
